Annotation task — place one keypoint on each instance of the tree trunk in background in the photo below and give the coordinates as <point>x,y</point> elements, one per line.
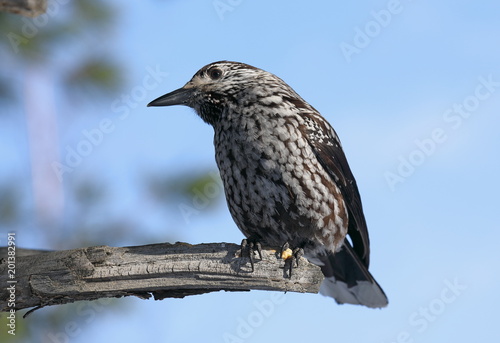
<point>43,140</point>
<point>27,8</point>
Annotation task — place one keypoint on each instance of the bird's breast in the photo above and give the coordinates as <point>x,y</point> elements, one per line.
<point>275,186</point>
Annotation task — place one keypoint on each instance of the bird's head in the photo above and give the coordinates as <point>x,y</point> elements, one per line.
<point>221,84</point>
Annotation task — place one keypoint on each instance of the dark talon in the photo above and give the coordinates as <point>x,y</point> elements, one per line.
<point>289,258</point>
<point>250,254</point>
<point>298,253</point>
<point>243,247</point>
<point>248,248</point>
<point>288,267</point>
<point>259,249</point>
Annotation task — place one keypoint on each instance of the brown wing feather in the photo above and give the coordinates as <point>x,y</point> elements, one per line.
<point>329,152</point>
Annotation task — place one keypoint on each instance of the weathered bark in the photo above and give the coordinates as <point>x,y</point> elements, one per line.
<point>27,8</point>
<point>159,270</point>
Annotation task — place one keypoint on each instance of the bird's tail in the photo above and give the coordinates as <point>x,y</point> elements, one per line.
<point>348,280</point>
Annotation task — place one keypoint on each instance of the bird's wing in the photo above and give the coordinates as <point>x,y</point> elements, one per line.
<point>326,145</point>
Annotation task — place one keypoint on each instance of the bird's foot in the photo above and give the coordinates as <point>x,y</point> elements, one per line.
<point>289,255</point>
<point>248,248</point>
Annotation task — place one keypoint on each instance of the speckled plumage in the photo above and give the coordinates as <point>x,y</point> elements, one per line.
<point>285,175</point>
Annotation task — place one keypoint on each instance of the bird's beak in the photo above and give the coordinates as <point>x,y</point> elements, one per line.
<point>180,96</point>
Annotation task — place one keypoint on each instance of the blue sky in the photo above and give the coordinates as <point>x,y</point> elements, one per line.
<point>395,103</point>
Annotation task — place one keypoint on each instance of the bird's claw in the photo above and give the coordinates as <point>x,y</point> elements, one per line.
<point>248,248</point>
<point>289,256</point>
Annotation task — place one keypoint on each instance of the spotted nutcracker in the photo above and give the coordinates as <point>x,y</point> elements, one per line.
<point>286,178</point>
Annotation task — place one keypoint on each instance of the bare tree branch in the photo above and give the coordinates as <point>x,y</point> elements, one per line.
<point>27,8</point>
<point>159,270</point>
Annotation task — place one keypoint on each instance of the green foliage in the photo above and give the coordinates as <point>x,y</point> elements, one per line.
<point>9,205</point>
<point>99,76</point>
<point>21,329</point>
<point>70,30</point>
<point>186,187</point>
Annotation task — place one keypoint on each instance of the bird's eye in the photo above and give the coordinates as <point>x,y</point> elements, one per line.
<point>214,73</point>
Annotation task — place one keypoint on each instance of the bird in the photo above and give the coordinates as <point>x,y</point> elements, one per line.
<point>285,175</point>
